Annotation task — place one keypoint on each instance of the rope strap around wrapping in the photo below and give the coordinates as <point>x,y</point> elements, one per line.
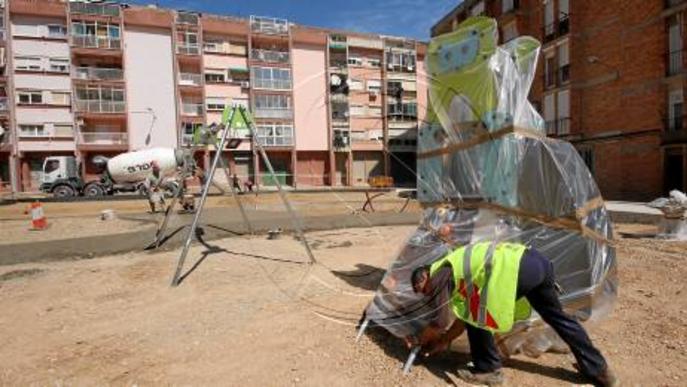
<point>480,139</point>
<point>565,222</point>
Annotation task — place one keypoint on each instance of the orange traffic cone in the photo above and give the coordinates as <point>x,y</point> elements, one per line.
<point>38,220</point>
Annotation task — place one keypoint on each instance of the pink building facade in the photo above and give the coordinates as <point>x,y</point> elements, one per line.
<point>332,108</point>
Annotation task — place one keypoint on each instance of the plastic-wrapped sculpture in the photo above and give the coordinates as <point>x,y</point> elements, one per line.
<point>486,169</point>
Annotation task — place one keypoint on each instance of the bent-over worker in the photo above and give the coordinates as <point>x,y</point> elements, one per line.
<point>496,278</point>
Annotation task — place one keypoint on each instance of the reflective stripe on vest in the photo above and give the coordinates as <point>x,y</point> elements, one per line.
<point>474,268</point>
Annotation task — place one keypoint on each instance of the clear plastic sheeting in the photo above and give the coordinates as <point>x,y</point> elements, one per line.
<point>487,172</point>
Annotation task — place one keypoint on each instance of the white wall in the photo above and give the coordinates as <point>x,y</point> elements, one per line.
<point>150,84</point>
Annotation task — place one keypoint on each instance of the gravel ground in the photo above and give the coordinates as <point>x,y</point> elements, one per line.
<point>252,314</point>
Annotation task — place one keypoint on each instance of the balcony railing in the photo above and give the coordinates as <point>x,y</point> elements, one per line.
<point>269,56</point>
<point>100,106</point>
<point>285,113</point>
<point>187,18</point>
<point>558,127</point>
<point>4,104</point>
<point>674,130</point>
<point>564,74</point>
<point>341,140</point>
<point>192,109</point>
<point>98,74</point>
<point>104,138</point>
<point>273,84</point>
<point>563,25</point>
<point>94,9</point>
<point>92,41</point>
<point>557,29</point>
<point>275,141</point>
<point>675,63</point>
<point>190,79</point>
<point>269,25</point>
<point>188,49</point>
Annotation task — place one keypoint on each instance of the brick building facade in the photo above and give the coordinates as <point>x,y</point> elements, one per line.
<point>610,80</point>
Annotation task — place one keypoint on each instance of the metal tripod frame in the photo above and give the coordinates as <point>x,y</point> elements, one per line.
<point>176,279</point>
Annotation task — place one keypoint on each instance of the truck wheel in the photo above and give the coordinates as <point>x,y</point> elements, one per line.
<point>93,190</point>
<point>63,191</point>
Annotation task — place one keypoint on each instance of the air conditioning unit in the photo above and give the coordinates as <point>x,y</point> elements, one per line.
<point>244,84</point>
<point>411,68</point>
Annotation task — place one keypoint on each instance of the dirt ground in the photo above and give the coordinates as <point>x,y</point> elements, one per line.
<point>252,314</point>
<point>82,219</point>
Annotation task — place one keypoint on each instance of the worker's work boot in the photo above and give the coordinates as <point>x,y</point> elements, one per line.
<point>607,379</point>
<point>494,378</point>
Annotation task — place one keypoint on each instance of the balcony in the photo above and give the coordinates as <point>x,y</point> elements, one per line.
<point>100,106</point>
<point>92,41</point>
<point>675,63</point>
<point>104,138</point>
<point>190,79</point>
<point>674,130</point>
<point>269,25</point>
<point>558,127</point>
<point>284,113</point>
<point>557,29</point>
<point>271,84</point>
<point>269,56</point>
<point>341,141</point>
<point>110,10</point>
<point>191,109</point>
<point>563,26</point>
<point>188,48</point>
<point>564,74</point>
<point>4,104</point>
<point>98,74</point>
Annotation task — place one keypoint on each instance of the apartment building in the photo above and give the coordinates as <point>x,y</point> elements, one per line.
<point>610,80</point>
<point>331,107</point>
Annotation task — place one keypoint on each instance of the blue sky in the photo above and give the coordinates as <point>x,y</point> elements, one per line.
<point>411,18</point>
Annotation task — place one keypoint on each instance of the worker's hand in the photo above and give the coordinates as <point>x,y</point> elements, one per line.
<point>437,346</point>
<point>410,341</point>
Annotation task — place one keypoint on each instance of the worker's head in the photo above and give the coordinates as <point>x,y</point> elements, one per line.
<point>420,280</point>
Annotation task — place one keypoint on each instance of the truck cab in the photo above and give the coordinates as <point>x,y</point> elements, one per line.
<point>61,176</point>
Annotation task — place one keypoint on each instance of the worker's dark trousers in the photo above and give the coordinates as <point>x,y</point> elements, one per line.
<point>536,283</point>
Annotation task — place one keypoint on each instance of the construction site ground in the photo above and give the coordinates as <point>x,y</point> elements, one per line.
<point>250,311</point>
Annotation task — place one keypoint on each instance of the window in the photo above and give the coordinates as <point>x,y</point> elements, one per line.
<point>33,130</point>
<point>187,42</point>
<point>675,56</point>
<point>400,60</point>
<point>57,31</point>
<point>355,84</point>
<point>353,61</point>
<point>549,69</point>
<point>215,104</point>
<point>273,134</point>
<point>60,98</point>
<point>587,155</point>
<point>271,78</point>
<point>510,32</point>
<point>550,113</point>
<point>63,130</point>
<point>477,9</point>
<point>32,63</point>
<point>30,97</point>
<point>563,112</point>
<point>215,77</point>
<point>59,65</point>
<point>402,111</point>
<point>374,111</point>
<point>52,166</point>
<point>272,101</point>
<point>549,27</point>
<point>374,62</point>
<point>357,110</point>
<point>563,63</point>
<point>675,110</point>
<point>374,85</point>
<point>507,5</point>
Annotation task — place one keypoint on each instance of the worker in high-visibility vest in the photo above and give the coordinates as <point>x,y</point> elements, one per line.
<point>501,282</point>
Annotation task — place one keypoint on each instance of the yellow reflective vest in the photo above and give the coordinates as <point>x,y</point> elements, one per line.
<point>486,281</point>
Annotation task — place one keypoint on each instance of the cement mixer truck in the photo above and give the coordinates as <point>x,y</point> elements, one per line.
<point>123,173</point>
